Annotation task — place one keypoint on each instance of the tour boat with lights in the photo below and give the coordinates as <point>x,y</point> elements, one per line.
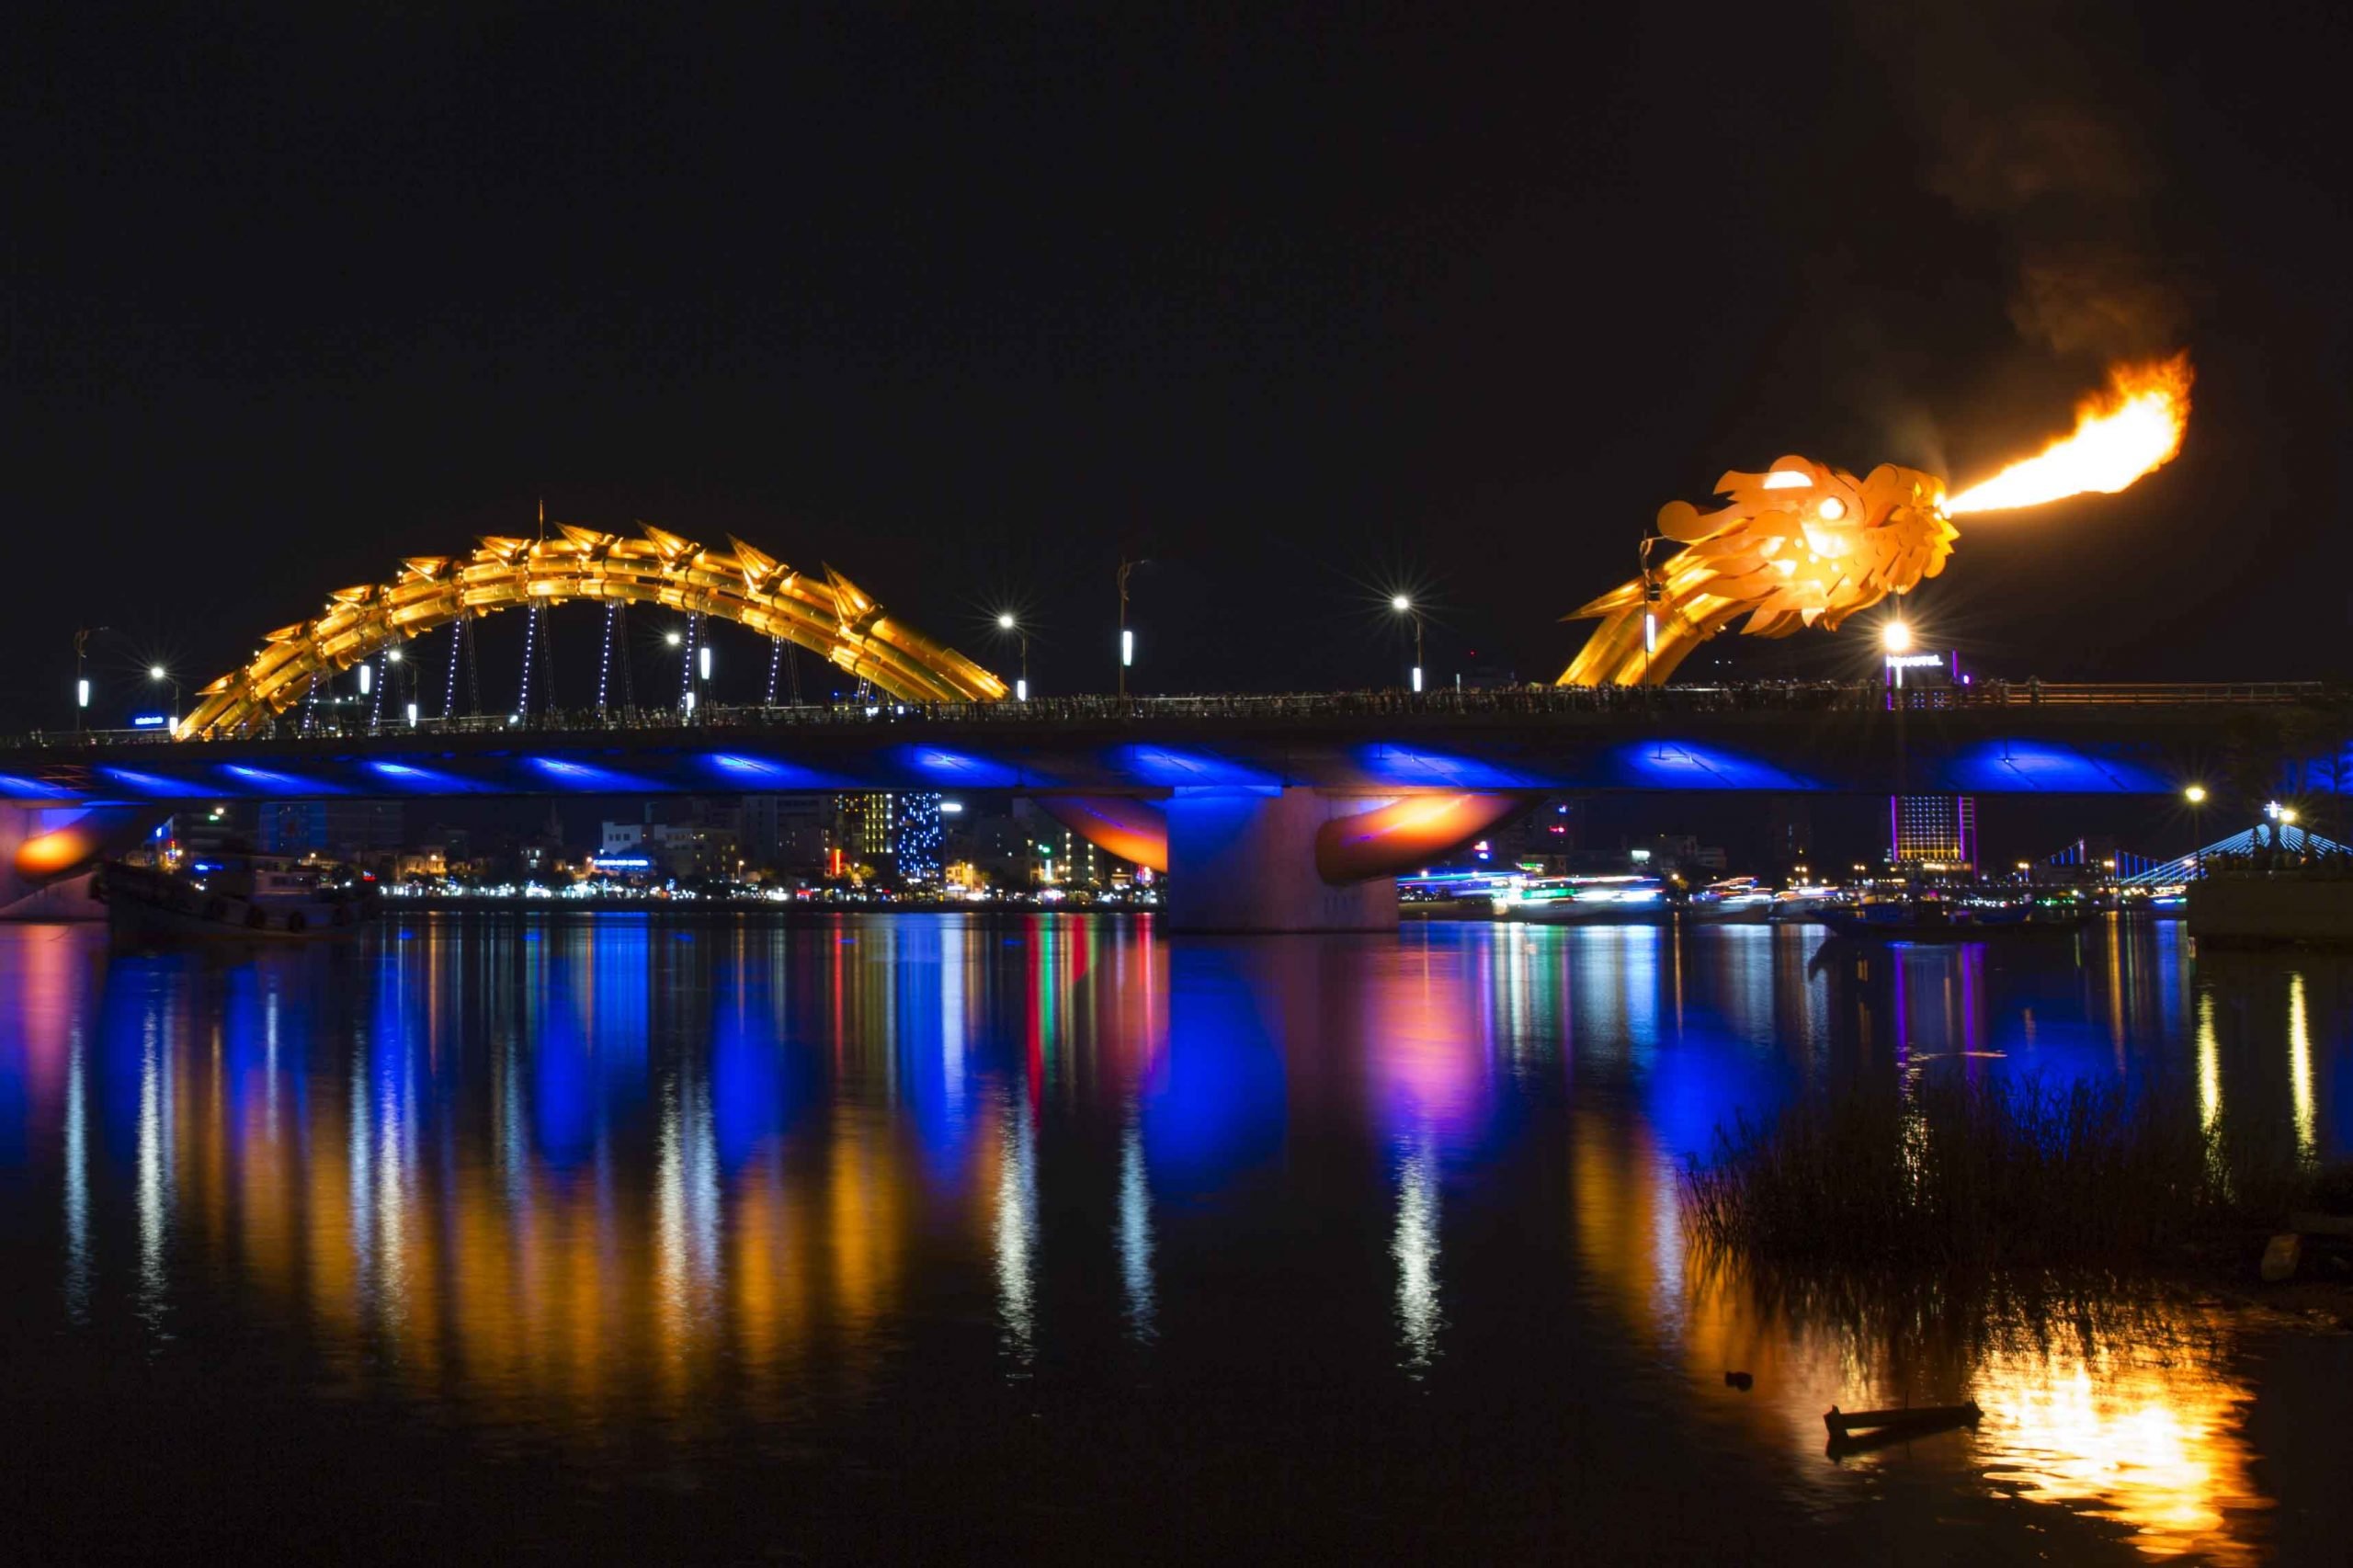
<point>236,896</point>
<point>1955,919</point>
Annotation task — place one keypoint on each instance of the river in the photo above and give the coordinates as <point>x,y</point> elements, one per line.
<point>943,1236</point>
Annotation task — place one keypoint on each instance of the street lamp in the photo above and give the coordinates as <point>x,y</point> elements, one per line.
<point>158,672</point>
<point>1403,605</point>
<point>1006,622</point>
<point>2195,796</point>
<point>1127,637</point>
<point>1895,636</point>
<point>82,636</point>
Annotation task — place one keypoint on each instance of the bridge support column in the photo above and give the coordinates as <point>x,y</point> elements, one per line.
<point>47,854</point>
<point>1243,860</point>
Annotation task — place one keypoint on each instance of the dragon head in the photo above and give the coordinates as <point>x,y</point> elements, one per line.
<point>1805,544</point>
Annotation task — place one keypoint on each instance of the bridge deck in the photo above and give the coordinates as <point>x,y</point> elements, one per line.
<point>2132,739</point>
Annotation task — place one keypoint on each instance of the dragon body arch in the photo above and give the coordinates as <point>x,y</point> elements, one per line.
<point>827,614</point>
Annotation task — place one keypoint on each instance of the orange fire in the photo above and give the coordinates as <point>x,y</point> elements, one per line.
<point>2132,428</point>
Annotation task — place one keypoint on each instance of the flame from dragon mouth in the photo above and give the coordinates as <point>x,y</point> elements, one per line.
<point>2131,428</point>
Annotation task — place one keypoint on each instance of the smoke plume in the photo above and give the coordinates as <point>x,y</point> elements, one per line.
<point>2023,126</point>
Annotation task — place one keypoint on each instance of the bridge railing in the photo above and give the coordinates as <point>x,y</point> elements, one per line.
<point>1533,701</point>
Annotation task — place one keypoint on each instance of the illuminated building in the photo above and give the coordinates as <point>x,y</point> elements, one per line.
<point>1932,830</point>
<point>866,831</point>
<point>919,836</point>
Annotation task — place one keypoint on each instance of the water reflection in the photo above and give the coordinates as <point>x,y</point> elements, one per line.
<point>616,1174</point>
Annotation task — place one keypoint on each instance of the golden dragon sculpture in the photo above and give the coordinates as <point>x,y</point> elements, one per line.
<point>1802,544</point>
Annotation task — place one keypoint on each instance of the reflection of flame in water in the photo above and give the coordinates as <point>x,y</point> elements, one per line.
<point>1415,1249</point>
<point>2141,1429</point>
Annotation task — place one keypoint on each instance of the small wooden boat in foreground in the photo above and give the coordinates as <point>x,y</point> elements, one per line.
<point>1854,1430</point>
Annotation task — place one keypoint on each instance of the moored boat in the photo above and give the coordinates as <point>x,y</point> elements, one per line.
<point>1952,920</point>
<point>256,897</point>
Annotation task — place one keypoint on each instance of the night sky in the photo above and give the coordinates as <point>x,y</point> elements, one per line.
<point>1303,311</point>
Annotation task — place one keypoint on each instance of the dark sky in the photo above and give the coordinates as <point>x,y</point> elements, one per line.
<point>1300,309</point>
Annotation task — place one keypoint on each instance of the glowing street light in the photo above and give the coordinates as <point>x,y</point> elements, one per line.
<point>1009,623</point>
<point>159,673</point>
<point>1895,636</point>
<point>1402,605</point>
<point>2195,794</point>
<point>672,638</point>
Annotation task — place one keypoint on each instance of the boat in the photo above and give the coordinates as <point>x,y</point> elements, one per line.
<point>1737,901</point>
<point>1586,901</point>
<point>251,897</point>
<point>1951,920</point>
<point>1853,1431</point>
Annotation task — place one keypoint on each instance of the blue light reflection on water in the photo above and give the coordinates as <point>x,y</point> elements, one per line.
<point>715,1140</point>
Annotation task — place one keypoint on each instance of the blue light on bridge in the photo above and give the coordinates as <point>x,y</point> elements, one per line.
<point>2038,766</point>
<point>764,773</point>
<point>154,786</point>
<point>30,788</point>
<point>581,776</point>
<point>1167,766</point>
<point>1680,765</point>
<point>937,765</point>
<point>411,780</point>
<point>276,783</point>
<point>1404,764</point>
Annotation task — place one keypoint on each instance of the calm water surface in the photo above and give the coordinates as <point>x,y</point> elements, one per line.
<point>888,1236</point>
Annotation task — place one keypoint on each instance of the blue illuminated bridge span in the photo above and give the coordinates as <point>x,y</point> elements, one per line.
<point>1330,792</point>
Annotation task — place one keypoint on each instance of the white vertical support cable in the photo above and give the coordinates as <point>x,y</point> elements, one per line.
<point>376,707</point>
<point>530,643</point>
<point>775,663</point>
<point>686,663</point>
<point>604,663</point>
<point>457,637</point>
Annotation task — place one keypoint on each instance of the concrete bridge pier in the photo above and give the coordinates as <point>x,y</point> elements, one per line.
<point>1244,859</point>
<point>47,854</point>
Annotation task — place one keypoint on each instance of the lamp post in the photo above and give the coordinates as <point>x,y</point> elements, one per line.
<point>2195,796</point>
<point>81,677</point>
<point>1127,637</point>
<point>1403,605</point>
<point>1009,623</point>
<point>158,672</point>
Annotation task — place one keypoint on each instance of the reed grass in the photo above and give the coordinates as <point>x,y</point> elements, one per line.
<point>1998,1172</point>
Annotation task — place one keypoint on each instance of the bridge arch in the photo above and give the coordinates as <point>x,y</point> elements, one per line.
<point>826,613</point>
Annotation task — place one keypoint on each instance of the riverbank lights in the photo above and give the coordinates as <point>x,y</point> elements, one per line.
<point>1417,677</point>
<point>412,715</point>
<point>1021,689</point>
<point>1895,636</point>
<point>367,678</point>
<point>81,694</point>
<point>1126,648</point>
<point>703,660</point>
<point>2195,794</point>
